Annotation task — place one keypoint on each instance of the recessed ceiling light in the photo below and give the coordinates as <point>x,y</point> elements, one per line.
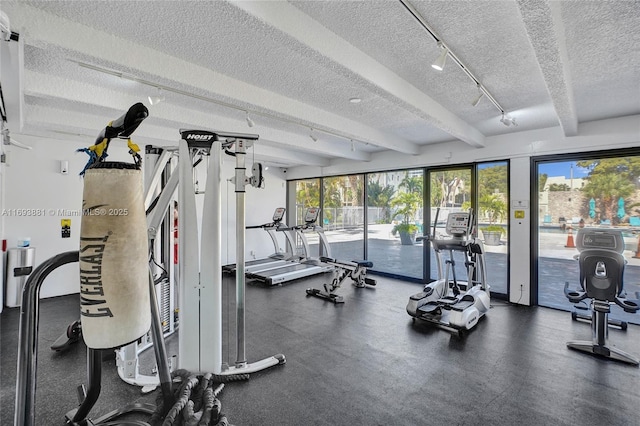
<point>355,100</point>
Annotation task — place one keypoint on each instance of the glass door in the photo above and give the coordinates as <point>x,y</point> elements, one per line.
<point>587,192</point>
<point>449,191</point>
<point>343,216</point>
<point>394,215</point>
<point>307,194</point>
<point>493,222</point>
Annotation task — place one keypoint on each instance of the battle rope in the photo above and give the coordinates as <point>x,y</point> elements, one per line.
<point>196,400</point>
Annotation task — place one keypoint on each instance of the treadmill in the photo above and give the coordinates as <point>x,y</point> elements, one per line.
<point>304,267</point>
<point>278,258</point>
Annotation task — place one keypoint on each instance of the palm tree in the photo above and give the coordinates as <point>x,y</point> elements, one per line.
<point>608,189</point>
<point>492,206</point>
<point>379,196</point>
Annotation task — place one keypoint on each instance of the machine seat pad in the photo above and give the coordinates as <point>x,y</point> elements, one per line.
<point>363,263</point>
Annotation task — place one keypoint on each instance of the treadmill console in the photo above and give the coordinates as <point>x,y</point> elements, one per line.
<point>278,215</point>
<point>458,224</point>
<point>605,239</point>
<point>311,216</point>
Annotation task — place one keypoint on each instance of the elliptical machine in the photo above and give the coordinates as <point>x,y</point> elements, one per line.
<point>451,304</point>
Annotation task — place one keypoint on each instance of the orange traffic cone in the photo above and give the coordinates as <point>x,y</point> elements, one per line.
<point>570,243</point>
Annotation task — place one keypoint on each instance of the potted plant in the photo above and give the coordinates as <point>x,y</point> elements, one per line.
<point>492,234</point>
<point>495,208</point>
<point>407,232</point>
<point>407,204</point>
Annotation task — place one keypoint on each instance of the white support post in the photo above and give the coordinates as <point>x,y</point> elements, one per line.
<point>189,266</point>
<point>211,267</point>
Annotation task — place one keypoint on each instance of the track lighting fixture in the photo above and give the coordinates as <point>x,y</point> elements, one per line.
<point>476,101</point>
<point>353,146</point>
<point>155,100</point>
<point>507,120</point>
<point>438,65</point>
<point>250,122</point>
<point>313,136</point>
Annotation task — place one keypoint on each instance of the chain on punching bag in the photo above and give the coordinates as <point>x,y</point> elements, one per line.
<point>114,286</point>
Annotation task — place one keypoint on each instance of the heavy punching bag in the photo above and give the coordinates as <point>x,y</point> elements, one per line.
<point>114,274</point>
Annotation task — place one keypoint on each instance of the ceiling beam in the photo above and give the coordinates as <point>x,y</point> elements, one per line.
<point>543,22</point>
<point>54,87</point>
<point>57,125</point>
<point>79,42</point>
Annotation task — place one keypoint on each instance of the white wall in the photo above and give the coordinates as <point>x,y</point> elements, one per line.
<point>32,180</point>
<point>520,231</point>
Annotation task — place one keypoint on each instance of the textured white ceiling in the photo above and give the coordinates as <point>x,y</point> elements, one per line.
<point>294,66</point>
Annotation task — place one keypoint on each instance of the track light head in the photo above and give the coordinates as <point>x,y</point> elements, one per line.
<point>250,122</point>
<point>313,136</point>
<point>155,100</point>
<point>438,65</point>
<point>353,146</point>
<point>507,120</point>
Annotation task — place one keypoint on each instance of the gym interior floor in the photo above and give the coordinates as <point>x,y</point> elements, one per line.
<point>367,362</point>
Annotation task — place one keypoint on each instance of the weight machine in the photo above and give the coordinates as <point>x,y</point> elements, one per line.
<point>200,268</point>
<point>356,270</point>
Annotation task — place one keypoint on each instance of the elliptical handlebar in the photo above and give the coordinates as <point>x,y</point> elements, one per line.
<point>264,225</point>
<point>435,223</point>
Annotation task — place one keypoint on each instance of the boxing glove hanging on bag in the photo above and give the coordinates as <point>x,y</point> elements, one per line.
<point>114,274</point>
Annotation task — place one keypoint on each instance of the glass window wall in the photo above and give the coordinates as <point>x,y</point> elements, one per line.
<point>343,216</point>
<point>599,193</point>
<point>394,219</point>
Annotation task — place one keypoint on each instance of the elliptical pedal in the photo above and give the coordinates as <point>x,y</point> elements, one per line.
<point>431,308</point>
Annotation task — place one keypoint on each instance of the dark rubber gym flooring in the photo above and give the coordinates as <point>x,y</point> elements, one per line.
<point>366,362</point>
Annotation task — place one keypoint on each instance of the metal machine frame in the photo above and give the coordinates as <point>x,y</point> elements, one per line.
<point>200,270</point>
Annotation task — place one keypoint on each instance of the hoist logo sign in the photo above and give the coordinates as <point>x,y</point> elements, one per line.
<point>199,137</point>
